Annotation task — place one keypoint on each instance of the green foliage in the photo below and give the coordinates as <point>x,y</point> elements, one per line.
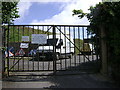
<point>107,16</point>
<point>79,13</point>
<point>79,45</point>
<point>86,48</point>
<point>9,12</point>
<point>15,33</point>
<point>2,48</point>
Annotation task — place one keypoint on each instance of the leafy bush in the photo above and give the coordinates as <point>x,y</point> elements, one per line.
<point>106,15</point>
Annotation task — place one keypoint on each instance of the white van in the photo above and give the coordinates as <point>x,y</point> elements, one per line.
<point>64,47</point>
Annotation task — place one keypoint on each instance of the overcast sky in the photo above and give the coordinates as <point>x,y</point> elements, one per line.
<point>52,11</point>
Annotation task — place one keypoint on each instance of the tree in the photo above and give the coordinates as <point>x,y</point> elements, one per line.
<point>107,15</point>
<point>9,12</point>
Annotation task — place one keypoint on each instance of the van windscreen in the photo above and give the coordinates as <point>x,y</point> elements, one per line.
<point>51,42</point>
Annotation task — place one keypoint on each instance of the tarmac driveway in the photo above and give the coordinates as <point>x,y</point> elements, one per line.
<point>85,79</point>
<point>67,81</point>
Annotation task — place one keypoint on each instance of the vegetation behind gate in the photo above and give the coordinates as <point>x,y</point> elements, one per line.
<point>107,15</point>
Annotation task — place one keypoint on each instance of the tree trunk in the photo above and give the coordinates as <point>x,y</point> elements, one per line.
<point>104,69</point>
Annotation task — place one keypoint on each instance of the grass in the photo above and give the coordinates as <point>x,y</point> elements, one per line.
<point>16,33</point>
<point>78,44</point>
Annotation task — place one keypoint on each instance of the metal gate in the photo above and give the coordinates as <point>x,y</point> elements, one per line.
<point>50,49</point>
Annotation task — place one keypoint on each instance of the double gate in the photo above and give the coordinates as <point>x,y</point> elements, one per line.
<point>50,49</point>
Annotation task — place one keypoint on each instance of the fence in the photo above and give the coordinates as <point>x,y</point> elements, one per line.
<point>50,48</point>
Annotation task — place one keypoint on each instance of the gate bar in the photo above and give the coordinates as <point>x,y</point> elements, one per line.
<point>54,25</point>
<point>8,51</point>
<point>72,43</point>
<point>54,51</point>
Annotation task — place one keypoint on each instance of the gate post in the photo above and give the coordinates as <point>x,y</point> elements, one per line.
<point>104,69</point>
<point>54,50</point>
<point>1,66</point>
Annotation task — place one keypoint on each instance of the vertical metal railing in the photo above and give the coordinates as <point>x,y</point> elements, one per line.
<point>54,50</point>
<point>8,50</point>
<point>3,44</point>
<point>72,35</point>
